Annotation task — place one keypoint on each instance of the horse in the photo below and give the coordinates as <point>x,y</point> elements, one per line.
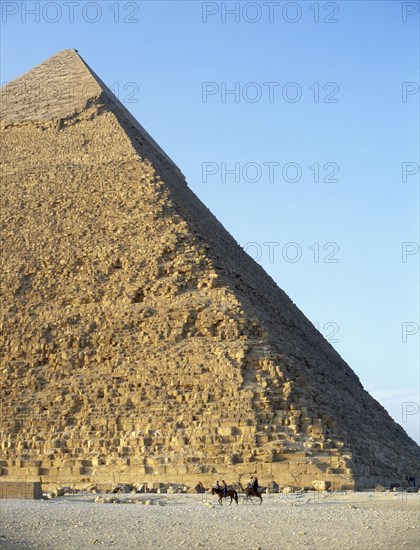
<point>251,492</point>
<point>229,493</point>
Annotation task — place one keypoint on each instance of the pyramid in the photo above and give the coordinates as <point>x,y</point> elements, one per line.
<point>139,342</point>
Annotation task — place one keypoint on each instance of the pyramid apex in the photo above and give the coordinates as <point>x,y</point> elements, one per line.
<point>54,89</point>
<point>58,88</point>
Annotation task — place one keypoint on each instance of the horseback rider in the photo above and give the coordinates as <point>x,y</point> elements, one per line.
<point>224,487</point>
<point>217,485</point>
<point>255,485</point>
<point>253,489</point>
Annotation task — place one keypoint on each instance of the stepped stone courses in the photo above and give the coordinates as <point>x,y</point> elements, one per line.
<point>138,340</point>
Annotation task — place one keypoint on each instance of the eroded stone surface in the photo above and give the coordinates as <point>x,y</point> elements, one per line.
<point>139,341</point>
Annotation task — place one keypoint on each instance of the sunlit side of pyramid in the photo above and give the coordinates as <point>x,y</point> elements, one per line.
<point>138,340</point>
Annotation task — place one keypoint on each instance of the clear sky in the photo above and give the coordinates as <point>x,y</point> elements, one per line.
<point>315,149</point>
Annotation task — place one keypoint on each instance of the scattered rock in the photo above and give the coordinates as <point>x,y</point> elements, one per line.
<point>122,488</point>
<point>273,487</point>
<point>107,500</point>
<point>61,491</point>
<point>321,485</point>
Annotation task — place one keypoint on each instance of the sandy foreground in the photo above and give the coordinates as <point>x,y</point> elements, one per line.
<point>361,520</point>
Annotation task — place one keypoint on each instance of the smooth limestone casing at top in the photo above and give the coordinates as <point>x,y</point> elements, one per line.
<point>138,340</point>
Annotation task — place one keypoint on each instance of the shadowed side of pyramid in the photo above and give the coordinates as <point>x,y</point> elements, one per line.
<point>138,337</point>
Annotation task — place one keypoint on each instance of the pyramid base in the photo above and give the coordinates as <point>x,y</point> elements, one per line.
<point>297,471</point>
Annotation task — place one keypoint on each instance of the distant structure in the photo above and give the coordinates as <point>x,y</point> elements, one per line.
<point>138,340</point>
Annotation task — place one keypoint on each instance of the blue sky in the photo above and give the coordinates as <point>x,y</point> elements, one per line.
<point>336,112</point>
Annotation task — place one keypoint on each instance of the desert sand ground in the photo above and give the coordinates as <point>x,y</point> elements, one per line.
<point>361,520</point>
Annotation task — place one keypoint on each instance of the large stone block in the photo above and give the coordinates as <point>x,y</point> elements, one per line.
<point>321,485</point>
<point>20,490</point>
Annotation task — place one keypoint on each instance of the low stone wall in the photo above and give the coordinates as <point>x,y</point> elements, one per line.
<point>20,489</point>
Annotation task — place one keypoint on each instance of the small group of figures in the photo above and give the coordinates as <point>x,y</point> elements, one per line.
<point>223,491</point>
